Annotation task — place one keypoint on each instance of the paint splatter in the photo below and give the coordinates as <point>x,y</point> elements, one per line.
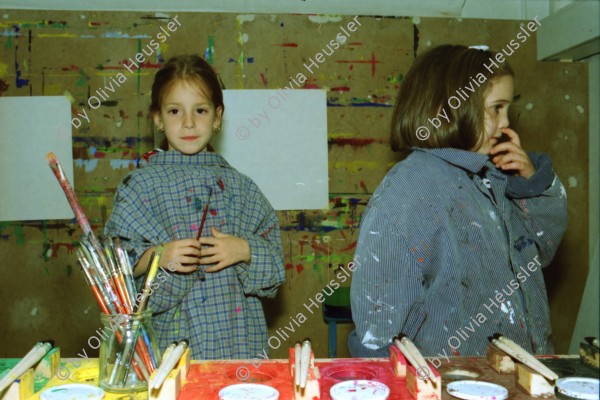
<point>210,50</point>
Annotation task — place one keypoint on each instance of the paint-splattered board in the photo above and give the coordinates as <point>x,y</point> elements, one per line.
<point>206,378</point>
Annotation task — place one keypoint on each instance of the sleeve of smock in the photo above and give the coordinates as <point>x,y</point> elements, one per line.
<point>386,289</point>
<point>266,271</point>
<point>543,202</point>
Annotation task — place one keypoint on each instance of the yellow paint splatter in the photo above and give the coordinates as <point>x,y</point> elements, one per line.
<point>57,35</point>
<point>356,166</point>
<point>69,96</point>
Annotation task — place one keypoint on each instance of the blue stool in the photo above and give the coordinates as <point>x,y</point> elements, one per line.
<point>336,309</point>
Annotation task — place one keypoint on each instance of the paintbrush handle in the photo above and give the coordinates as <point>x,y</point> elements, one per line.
<point>421,366</point>
<point>69,192</point>
<point>297,355</point>
<point>304,362</point>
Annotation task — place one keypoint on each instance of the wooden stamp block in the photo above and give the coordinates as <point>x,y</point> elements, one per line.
<point>21,389</point>
<point>170,388</point>
<point>589,355</point>
<point>49,365</point>
<point>417,386</point>
<point>499,360</point>
<point>312,390</point>
<point>398,361</point>
<point>421,388</point>
<point>533,383</point>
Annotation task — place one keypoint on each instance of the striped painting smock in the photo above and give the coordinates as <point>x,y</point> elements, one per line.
<point>451,250</point>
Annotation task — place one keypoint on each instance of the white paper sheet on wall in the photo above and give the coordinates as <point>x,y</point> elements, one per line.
<point>279,139</point>
<point>30,128</point>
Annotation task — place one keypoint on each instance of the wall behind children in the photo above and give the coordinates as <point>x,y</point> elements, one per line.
<point>74,53</point>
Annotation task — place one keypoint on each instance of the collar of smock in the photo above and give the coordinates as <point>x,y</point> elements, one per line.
<point>171,157</point>
<point>468,160</point>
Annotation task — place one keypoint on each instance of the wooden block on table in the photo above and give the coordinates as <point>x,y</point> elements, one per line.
<point>534,384</point>
<point>421,388</point>
<point>312,391</point>
<point>589,355</point>
<point>49,365</point>
<point>21,389</point>
<point>170,388</point>
<point>398,361</point>
<point>499,360</point>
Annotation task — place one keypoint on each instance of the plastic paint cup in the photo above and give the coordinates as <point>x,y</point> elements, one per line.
<point>72,391</point>
<point>359,390</point>
<point>248,391</point>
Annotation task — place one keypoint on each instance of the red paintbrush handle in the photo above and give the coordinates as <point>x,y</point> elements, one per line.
<point>69,192</point>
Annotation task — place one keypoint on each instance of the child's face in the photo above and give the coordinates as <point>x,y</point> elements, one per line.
<point>188,118</point>
<point>496,103</point>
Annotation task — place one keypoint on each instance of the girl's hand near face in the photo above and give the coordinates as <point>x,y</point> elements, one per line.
<point>513,157</point>
<point>224,250</point>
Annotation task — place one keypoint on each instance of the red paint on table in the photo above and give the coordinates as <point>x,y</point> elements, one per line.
<point>206,378</point>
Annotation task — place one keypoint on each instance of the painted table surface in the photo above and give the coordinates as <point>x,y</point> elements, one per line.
<point>206,378</point>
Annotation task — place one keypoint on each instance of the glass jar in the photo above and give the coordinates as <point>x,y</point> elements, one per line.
<point>129,352</point>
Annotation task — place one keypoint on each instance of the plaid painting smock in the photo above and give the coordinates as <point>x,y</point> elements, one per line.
<point>220,313</point>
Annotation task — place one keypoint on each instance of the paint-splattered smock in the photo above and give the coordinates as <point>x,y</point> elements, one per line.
<point>222,315</point>
<point>450,252</point>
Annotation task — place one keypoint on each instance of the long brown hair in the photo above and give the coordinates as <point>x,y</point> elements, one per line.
<point>190,68</point>
<point>434,78</point>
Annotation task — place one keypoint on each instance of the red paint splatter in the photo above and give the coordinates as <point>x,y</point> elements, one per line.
<point>287,44</point>
<point>221,184</point>
<point>71,67</point>
<point>264,80</point>
<point>455,352</point>
<point>373,61</point>
<point>311,86</point>
<point>237,310</point>
<point>213,212</point>
<point>420,259</point>
<point>289,266</point>
<point>354,142</point>
<point>299,268</point>
<point>340,89</point>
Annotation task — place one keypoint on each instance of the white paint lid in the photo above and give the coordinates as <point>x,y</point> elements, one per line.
<point>579,388</point>
<point>359,390</point>
<point>248,391</point>
<point>75,391</point>
<point>477,390</point>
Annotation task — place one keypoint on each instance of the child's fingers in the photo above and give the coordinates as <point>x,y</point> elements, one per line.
<point>210,241</point>
<point>187,243</point>
<point>514,137</point>
<point>218,267</point>
<point>210,259</point>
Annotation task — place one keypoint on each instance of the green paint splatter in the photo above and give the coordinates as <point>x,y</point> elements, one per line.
<point>19,234</point>
<point>83,79</point>
<point>210,50</point>
<point>8,43</point>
